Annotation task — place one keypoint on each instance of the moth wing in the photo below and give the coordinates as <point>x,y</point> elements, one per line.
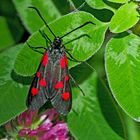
<point>62,103</point>
<point>60,90</point>
<point>37,95</point>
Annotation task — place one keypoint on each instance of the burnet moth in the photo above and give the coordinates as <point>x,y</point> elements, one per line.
<point>51,82</point>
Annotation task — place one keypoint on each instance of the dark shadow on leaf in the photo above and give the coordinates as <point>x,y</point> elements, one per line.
<point>21,79</point>
<point>98,13</point>
<point>112,4</point>
<point>109,110</point>
<point>78,3</point>
<point>103,15</point>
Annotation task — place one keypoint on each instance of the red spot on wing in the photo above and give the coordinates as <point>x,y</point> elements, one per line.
<point>44,59</point>
<point>38,74</point>
<point>66,96</point>
<point>59,85</point>
<point>63,62</point>
<point>42,83</point>
<point>34,91</point>
<point>66,78</point>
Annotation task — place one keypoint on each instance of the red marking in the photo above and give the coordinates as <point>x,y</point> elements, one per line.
<point>63,62</point>
<point>34,91</point>
<point>44,59</point>
<point>66,78</point>
<point>38,74</point>
<point>42,82</point>
<point>59,85</point>
<point>66,96</point>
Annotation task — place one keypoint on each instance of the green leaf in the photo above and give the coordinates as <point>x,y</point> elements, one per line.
<point>124,18</point>
<point>30,18</point>
<point>100,4</point>
<point>118,1</point>
<point>94,116</point>
<point>5,34</point>
<point>12,93</point>
<point>77,3</point>
<point>132,128</point>
<point>122,60</point>
<point>28,60</point>
<point>89,7</point>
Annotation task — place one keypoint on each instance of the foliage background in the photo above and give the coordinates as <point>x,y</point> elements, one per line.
<point>110,110</point>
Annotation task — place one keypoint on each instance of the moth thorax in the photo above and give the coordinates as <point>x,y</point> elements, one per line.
<point>55,51</point>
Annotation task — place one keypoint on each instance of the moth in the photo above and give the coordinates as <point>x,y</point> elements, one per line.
<point>52,79</point>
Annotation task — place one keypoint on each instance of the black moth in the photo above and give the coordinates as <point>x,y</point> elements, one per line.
<point>51,82</point>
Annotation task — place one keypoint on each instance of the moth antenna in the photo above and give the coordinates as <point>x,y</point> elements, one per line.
<point>86,23</point>
<point>38,12</point>
<point>83,35</point>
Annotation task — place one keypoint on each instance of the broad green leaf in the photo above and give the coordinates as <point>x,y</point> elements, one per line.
<point>126,17</point>
<point>94,117</point>
<point>122,60</point>
<point>28,60</point>
<point>5,34</point>
<point>119,1</point>
<point>12,89</point>
<point>90,8</point>
<point>30,18</point>
<point>101,4</point>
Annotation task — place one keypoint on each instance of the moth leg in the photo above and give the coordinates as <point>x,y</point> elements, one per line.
<point>77,85</point>
<point>44,35</point>
<point>72,58</point>
<point>75,60</point>
<point>68,49</point>
<point>75,112</point>
<point>84,35</point>
<point>35,48</point>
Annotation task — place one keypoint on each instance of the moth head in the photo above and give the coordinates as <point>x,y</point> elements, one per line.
<point>57,42</point>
